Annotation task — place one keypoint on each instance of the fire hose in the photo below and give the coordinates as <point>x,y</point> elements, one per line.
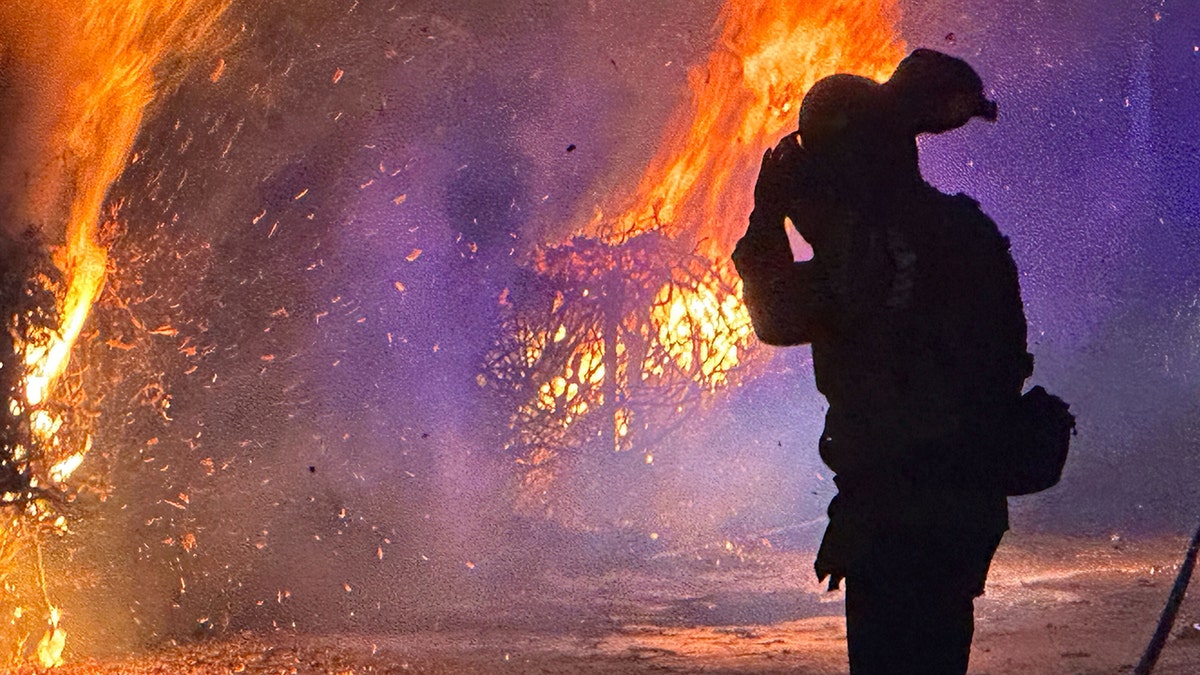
<point>1167,620</point>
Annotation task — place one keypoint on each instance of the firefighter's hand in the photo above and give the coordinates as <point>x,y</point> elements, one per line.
<point>776,186</point>
<point>764,250</point>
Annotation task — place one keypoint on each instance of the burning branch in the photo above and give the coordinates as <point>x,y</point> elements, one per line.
<point>88,74</point>
<point>616,345</point>
<point>28,429</point>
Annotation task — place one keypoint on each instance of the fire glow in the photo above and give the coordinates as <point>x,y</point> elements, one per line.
<point>647,299</point>
<point>743,100</point>
<point>122,44</point>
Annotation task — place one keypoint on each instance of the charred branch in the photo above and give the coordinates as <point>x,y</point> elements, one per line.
<point>619,345</point>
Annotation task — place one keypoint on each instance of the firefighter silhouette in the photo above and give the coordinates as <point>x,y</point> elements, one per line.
<point>912,306</point>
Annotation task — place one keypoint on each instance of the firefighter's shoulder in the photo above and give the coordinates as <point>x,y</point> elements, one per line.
<point>964,214</point>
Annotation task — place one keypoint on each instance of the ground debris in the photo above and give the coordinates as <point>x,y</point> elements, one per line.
<point>662,616</point>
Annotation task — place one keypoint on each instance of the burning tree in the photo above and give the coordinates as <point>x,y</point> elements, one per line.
<point>616,345</point>
<point>628,325</point>
<point>640,317</point>
<point>30,312</point>
<point>88,74</point>
<point>35,433</point>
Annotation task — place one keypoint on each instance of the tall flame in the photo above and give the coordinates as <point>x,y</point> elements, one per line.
<point>743,100</point>
<point>86,74</point>
<point>115,50</point>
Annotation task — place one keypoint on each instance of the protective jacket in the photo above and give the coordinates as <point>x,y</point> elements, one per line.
<point>918,339</point>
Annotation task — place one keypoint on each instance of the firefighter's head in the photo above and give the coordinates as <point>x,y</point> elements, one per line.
<point>849,123</point>
<point>839,110</point>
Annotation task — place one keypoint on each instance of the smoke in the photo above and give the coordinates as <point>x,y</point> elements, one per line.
<point>316,229</point>
<point>79,85</point>
<point>76,84</point>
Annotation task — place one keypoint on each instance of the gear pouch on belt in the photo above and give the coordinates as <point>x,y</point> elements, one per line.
<point>1033,443</point>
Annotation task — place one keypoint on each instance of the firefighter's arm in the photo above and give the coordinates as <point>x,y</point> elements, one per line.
<point>787,304</point>
<point>786,299</point>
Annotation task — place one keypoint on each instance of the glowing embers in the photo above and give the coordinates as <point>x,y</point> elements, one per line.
<point>50,647</point>
<point>46,418</point>
<point>701,324</point>
<point>36,439</point>
<point>115,63</point>
<point>91,71</point>
<point>111,53</point>
<point>637,329</point>
<point>584,369</point>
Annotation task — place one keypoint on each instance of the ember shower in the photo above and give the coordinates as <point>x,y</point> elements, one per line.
<point>405,300</point>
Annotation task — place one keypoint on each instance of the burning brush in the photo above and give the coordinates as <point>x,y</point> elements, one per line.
<point>79,81</point>
<point>615,345</point>
<point>640,317</point>
<point>29,425</point>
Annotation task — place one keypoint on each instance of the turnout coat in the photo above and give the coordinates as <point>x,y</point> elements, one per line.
<point>912,306</point>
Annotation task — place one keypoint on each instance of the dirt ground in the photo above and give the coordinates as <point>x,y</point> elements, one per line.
<point>1053,605</point>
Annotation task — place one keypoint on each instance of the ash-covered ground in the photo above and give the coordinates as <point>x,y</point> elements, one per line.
<point>1054,605</point>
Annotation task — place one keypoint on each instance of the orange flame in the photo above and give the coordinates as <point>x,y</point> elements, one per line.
<point>697,191</point>
<point>648,316</point>
<point>743,100</point>
<point>117,50</point>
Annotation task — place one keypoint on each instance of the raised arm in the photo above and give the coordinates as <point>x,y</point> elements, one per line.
<point>788,301</point>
